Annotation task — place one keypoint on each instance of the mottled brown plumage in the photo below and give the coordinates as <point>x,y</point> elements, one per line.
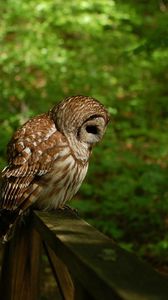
<point>48,156</point>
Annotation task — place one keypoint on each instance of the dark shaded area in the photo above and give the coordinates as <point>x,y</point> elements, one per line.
<point>7,218</point>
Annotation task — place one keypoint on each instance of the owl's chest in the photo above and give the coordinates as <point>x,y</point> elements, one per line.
<point>63,182</point>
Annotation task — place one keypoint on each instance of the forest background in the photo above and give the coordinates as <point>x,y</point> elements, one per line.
<point>117,52</point>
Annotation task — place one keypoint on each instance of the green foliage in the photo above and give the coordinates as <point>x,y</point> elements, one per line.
<point>117,52</point>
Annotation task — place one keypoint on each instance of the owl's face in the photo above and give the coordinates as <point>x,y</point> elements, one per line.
<point>92,130</point>
<point>82,120</point>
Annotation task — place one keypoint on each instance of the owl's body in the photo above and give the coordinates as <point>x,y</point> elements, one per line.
<point>48,157</point>
<point>64,181</point>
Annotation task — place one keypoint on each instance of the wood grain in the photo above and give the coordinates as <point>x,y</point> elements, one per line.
<point>21,262</point>
<point>105,270</point>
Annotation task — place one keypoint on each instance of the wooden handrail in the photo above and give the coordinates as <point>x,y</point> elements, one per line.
<point>21,265</point>
<point>85,263</point>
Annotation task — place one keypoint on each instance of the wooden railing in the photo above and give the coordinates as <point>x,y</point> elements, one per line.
<point>85,263</point>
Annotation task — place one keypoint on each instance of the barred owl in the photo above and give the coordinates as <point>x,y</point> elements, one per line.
<point>48,158</point>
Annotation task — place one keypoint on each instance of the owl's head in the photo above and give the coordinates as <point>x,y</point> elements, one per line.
<point>82,116</point>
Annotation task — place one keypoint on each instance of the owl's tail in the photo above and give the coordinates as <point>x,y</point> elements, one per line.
<point>8,221</point>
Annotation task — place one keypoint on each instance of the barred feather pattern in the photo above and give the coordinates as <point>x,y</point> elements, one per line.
<point>48,156</point>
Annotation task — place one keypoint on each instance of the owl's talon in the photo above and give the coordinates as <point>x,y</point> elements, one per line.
<point>69,208</point>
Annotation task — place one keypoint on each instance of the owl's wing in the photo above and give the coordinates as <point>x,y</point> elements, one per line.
<point>31,153</point>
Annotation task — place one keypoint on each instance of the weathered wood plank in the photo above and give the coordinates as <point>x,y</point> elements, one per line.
<point>104,269</point>
<point>21,262</point>
<point>61,274</point>
<point>70,289</point>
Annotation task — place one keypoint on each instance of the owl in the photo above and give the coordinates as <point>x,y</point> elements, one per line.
<point>48,158</point>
